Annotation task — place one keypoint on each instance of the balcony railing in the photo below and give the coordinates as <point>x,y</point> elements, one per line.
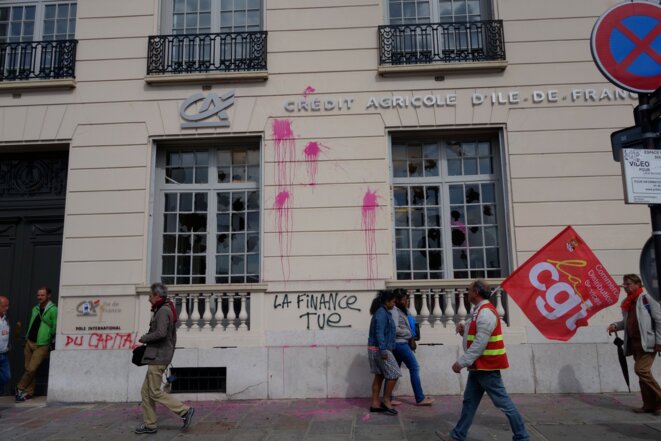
<point>40,60</point>
<point>204,53</point>
<point>430,43</point>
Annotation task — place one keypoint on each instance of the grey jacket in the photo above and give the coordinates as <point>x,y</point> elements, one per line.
<point>648,336</point>
<point>161,338</point>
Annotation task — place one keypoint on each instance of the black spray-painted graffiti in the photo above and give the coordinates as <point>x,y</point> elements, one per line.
<point>324,309</point>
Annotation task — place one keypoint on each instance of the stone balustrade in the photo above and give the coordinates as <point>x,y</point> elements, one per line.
<point>440,305</point>
<point>217,315</point>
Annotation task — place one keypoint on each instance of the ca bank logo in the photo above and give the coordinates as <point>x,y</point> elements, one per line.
<point>87,308</point>
<point>210,106</point>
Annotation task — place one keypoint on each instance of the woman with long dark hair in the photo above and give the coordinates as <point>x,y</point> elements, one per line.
<point>380,344</point>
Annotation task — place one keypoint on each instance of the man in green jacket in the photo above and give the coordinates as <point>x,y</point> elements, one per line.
<point>39,337</point>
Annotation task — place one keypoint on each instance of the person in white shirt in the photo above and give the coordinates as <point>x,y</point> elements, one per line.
<point>5,372</point>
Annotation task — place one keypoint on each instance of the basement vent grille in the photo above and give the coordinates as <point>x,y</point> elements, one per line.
<point>199,379</point>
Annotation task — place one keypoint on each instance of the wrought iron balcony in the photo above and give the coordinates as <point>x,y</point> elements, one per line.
<point>428,43</point>
<point>40,60</point>
<point>202,53</point>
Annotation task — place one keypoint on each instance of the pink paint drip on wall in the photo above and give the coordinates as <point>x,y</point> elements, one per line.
<point>312,151</point>
<point>308,90</point>
<point>284,150</point>
<point>282,207</point>
<point>368,211</point>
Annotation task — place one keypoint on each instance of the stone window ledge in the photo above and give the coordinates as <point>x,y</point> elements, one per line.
<point>443,68</point>
<point>158,80</point>
<point>18,85</point>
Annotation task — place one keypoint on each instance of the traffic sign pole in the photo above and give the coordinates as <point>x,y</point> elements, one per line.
<point>655,209</point>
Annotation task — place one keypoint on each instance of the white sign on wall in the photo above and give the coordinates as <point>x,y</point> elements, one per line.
<point>641,175</point>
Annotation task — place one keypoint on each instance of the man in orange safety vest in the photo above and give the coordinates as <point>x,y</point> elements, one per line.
<point>484,356</point>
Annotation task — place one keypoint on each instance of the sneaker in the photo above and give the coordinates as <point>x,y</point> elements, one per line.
<point>188,418</point>
<point>425,402</point>
<point>141,429</point>
<point>23,397</point>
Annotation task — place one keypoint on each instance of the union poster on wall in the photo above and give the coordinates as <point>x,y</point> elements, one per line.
<point>561,286</point>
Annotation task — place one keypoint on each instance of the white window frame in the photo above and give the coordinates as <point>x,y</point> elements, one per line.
<point>486,11</point>
<point>39,15</point>
<point>167,7</point>
<point>443,180</point>
<point>211,188</point>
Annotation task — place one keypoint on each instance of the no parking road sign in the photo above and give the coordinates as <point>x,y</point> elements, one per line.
<point>626,46</point>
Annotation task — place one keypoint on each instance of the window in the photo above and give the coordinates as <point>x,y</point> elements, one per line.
<point>424,31</point>
<point>37,21</point>
<point>434,11</point>
<point>36,37</point>
<point>210,35</point>
<point>448,208</point>
<point>209,221</point>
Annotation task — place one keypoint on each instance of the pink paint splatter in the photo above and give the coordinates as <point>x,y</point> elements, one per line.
<point>284,152</point>
<point>282,208</point>
<point>366,417</point>
<point>308,90</point>
<point>370,204</point>
<point>312,151</point>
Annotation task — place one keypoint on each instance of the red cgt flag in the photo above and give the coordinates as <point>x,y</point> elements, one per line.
<point>562,286</point>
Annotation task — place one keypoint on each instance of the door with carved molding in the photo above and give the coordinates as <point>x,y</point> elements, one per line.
<point>32,196</point>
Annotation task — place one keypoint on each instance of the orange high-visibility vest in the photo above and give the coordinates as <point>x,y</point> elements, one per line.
<point>494,356</point>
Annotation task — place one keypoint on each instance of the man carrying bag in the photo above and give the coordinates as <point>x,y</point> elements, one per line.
<point>160,340</point>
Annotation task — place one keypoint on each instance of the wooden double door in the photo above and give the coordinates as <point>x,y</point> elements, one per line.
<point>32,196</point>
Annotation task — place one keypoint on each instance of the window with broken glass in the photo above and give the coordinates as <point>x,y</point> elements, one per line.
<point>208,218</point>
<point>448,209</point>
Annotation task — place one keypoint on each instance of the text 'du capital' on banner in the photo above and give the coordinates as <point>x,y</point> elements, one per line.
<point>561,286</point>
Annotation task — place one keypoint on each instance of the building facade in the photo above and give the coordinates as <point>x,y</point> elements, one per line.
<point>276,162</point>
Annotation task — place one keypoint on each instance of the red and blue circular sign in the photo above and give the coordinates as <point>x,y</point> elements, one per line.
<point>626,46</point>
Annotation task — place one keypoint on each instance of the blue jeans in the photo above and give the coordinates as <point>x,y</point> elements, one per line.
<point>5,373</point>
<point>403,353</point>
<point>491,383</point>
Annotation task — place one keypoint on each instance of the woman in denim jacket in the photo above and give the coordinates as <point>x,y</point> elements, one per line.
<point>381,343</point>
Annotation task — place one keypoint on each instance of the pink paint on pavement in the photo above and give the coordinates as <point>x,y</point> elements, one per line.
<point>312,151</point>
<point>370,204</point>
<point>282,208</point>
<point>308,90</point>
<point>366,417</point>
<point>284,150</point>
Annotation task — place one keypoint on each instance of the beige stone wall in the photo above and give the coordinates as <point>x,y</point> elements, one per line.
<point>558,168</point>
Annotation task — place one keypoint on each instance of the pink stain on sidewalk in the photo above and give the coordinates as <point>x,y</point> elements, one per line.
<point>282,208</point>
<point>370,204</point>
<point>312,151</point>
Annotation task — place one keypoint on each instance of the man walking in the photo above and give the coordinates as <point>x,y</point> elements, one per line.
<point>5,372</point>
<point>642,338</point>
<point>160,340</point>
<point>40,335</point>
<point>484,356</point>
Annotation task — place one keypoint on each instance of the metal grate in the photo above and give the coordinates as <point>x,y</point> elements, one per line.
<point>441,42</point>
<point>199,379</point>
<point>39,60</point>
<point>202,53</point>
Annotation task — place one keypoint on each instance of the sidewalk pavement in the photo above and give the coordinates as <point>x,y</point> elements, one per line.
<point>582,417</point>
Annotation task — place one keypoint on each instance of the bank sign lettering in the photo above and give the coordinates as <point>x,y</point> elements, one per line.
<point>561,286</point>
